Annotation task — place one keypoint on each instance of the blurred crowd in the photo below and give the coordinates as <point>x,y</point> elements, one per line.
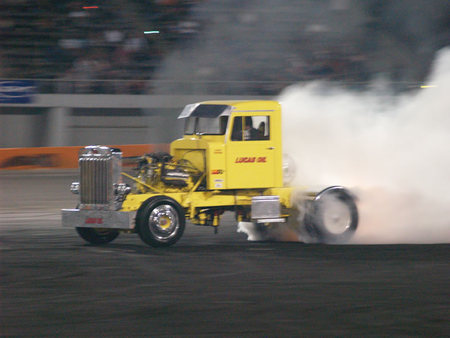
<point>114,46</point>
<point>90,46</point>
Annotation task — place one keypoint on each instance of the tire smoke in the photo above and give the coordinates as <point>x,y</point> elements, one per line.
<point>276,232</point>
<point>393,152</point>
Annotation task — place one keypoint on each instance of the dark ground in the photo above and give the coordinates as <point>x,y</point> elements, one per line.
<point>53,284</point>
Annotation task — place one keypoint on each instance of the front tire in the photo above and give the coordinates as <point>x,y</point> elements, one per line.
<point>161,221</point>
<point>97,236</point>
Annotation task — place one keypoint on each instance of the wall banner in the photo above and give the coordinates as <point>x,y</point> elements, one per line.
<point>66,157</point>
<point>16,91</point>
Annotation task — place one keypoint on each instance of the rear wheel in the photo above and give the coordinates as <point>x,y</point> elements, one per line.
<point>161,221</point>
<point>332,217</point>
<point>97,236</point>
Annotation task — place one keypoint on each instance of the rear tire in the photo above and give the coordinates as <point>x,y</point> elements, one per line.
<point>160,221</point>
<point>333,216</point>
<point>97,236</point>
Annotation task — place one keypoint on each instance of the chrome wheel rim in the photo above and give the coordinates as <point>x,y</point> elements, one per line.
<point>336,215</point>
<point>163,222</point>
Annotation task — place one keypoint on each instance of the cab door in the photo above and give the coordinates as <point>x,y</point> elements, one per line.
<point>250,153</point>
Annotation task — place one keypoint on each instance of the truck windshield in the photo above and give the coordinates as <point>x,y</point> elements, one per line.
<point>206,125</point>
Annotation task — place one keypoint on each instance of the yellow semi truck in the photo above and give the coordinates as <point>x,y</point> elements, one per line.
<point>229,159</point>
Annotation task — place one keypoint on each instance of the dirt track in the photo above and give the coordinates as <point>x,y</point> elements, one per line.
<point>53,284</point>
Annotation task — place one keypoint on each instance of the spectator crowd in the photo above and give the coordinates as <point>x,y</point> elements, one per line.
<point>114,46</point>
<point>90,46</point>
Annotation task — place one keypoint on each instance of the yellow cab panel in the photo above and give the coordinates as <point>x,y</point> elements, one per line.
<point>236,143</point>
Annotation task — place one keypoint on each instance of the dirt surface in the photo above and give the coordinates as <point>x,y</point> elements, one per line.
<point>54,284</point>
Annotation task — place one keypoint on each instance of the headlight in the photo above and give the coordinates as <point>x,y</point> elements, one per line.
<point>121,190</point>
<point>75,188</point>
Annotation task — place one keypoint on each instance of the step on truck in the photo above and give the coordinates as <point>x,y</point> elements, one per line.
<point>230,159</point>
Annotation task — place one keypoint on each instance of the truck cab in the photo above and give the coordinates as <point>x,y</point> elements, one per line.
<point>236,143</point>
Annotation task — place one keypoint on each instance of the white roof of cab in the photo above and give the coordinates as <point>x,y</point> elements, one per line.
<point>227,106</point>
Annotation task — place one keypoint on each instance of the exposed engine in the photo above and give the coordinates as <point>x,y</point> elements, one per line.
<point>158,169</point>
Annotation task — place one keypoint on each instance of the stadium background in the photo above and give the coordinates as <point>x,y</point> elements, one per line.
<point>118,72</point>
<point>71,76</point>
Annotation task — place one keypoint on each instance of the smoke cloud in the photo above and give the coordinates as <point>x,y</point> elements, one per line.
<point>239,43</point>
<point>392,151</point>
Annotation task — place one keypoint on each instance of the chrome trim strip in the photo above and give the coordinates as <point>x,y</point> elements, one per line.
<point>270,220</point>
<point>252,110</point>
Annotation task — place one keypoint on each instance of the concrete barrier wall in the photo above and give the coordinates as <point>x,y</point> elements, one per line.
<point>77,120</point>
<point>49,132</point>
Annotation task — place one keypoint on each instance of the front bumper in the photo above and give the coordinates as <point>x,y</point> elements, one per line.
<point>109,219</point>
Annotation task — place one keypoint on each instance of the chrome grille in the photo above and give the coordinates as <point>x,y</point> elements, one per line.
<point>95,180</point>
<point>99,171</point>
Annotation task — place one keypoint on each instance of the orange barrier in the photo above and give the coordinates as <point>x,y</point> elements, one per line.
<point>61,157</point>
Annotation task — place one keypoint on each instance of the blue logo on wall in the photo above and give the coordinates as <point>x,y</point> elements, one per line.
<point>16,91</point>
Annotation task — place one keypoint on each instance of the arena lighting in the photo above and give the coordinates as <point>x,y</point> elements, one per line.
<point>90,7</point>
<point>151,32</point>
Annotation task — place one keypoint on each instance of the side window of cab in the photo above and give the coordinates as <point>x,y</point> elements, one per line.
<point>250,128</point>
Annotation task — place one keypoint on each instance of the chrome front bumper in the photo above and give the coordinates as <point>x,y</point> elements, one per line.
<point>76,218</point>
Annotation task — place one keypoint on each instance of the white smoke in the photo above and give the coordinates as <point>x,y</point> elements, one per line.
<point>274,232</point>
<point>392,151</point>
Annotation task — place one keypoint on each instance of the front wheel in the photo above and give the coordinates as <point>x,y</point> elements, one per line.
<point>161,221</point>
<point>97,236</point>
